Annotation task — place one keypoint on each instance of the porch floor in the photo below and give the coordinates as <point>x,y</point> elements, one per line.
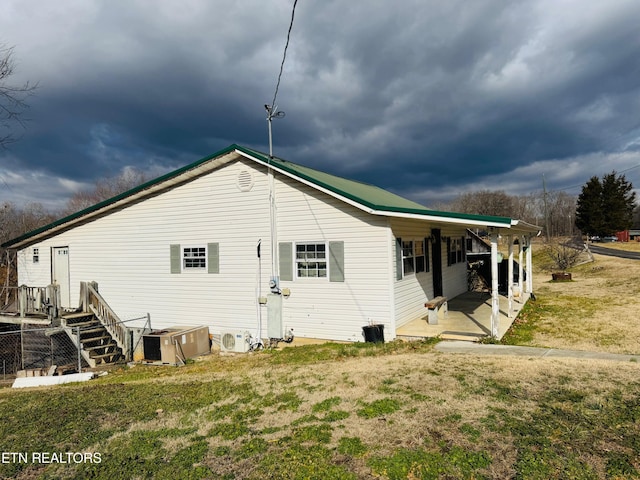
<point>469,318</point>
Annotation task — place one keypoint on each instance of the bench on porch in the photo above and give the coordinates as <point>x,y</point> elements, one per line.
<point>434,305</point>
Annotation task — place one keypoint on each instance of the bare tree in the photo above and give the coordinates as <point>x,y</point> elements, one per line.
<point>12,97</point>
<point>14,222</point>
<point>484,202</point>
<point>106,188</point>
<point>560,208</point>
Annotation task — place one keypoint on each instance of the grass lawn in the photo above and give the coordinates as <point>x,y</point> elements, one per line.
<point>351,411</point>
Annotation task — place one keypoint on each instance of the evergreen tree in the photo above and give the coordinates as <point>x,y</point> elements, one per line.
<point>605,206</point>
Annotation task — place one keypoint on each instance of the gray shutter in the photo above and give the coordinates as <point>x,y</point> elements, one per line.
<point>285,261</point>
<point>213,257</point>
<point>176,261</point>
<point>336,261</point>
<point>427,260</point>
<point>398,258</point>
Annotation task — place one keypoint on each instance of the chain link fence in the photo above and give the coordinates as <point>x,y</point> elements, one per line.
<point>34,350</point>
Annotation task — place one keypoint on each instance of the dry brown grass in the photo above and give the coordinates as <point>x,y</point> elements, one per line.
<point>598,310</point>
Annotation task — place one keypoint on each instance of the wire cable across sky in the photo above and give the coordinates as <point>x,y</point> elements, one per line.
<point>284,56</point>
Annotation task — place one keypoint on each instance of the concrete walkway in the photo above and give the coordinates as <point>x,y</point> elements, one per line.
<point>482,349</point>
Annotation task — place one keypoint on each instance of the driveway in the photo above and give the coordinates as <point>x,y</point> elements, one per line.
<point>613,252</point>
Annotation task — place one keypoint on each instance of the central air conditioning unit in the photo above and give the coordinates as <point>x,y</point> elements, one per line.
<point>234,341</point>
<point>174,346</point>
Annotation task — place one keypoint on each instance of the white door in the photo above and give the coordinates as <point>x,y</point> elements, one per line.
<point>60,274</point>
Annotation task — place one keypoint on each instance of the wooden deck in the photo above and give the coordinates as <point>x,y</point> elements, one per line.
<point>468,318</point>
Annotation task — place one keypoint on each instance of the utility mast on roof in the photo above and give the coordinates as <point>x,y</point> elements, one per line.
<point>272,110</point>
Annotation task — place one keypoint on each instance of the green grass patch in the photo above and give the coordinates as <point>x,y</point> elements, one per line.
<point>326,405</point>
<point>251,448</point>
<point>142,455</point>
<point>352,446</point>
<point>336,416</point>
<point>283,401</point>
<point>300,462</point>
<point>317,433</point>
<point>307,354</point>
<point>533,318</point>
<point>455,462</point>
<point>378,408</point>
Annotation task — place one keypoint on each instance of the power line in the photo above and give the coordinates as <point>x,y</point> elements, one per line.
<point>272,110</point>
<point>284,56</point>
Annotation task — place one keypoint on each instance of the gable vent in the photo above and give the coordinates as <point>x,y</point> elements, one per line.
<point>245,181</point>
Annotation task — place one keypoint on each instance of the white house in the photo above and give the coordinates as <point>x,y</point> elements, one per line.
<point>201,245</point>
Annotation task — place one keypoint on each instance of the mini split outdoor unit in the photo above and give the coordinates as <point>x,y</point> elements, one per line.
<point>174,346</point>
<point>234,341</point>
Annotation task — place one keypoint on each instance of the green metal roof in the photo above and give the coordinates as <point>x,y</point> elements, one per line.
<point>369,196</point>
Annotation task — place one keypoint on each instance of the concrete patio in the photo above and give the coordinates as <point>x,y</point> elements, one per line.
<point>468,318</point>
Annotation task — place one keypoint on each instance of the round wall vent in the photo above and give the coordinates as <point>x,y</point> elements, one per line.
<point>245,181</point>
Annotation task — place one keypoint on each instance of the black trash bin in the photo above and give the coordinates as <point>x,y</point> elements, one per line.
<point>373,333</point>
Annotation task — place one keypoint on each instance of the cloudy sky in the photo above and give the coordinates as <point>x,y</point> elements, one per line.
<point>426,98</point>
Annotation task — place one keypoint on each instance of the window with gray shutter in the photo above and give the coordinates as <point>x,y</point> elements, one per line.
<point>336,261</point>
<point>176,259</point>
<point>285,261</point>
<point>213,258</point>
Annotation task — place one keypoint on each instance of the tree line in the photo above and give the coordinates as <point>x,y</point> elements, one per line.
<point>555,212</point>
<point>605,206</point>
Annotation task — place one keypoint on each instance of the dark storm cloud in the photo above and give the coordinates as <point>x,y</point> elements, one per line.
<point>424,98</point>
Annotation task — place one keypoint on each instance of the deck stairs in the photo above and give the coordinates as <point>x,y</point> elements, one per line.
<point>98,347</point>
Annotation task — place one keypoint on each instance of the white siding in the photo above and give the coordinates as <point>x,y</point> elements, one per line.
<point>413,290</point>
<point>34,274</point>
<point>454,277</point>
<point>128,253</point>
<point>319,308</point>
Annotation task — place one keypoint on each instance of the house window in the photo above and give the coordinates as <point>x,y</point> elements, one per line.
<point>311,260</point>
<point>36,255</point>
<point>419,254</point>
<point>408,257</point>
<point>456,253</point>
<point>194,258</point>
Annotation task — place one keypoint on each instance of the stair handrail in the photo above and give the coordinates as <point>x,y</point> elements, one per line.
<point>107,318</point>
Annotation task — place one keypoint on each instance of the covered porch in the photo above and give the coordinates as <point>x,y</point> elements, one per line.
<point>469,317</point>
<point>477,314</point>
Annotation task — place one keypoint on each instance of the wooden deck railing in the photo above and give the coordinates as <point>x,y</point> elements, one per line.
<point>24,300</point>
<point>94,302</point>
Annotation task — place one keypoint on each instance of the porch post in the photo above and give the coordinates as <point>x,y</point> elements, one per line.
<point>495,300</point>
<point>529,267</point>
<point>510,277</point>
<point>521,268</point>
